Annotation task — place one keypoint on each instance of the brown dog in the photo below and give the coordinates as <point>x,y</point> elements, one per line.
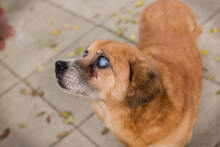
<point>147,96</point>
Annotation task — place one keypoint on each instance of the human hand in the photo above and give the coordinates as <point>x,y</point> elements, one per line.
<point>6,30</point>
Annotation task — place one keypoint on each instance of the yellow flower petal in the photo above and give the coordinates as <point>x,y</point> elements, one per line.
<point>204,52</point>
<point>213,30</point>
<point>52,23</point>
<point>40,68</point>
<point>69,119</point>
<point>24,91</point>
<point>55,48</point>
<point>113,15</point>
<point>65,114</point>
<point>75,27</point>
<point>132,36</point>
<point>210,77</point>
<point>22,126</point>
<point>129,11</point>
<point>79,50</point>
<point>217,58</point>
<point>71,54</point>
<point>56,32</point>
<point>139,3</point>
<point>218,92</point>
<point>120,32</point>
<point>133,21</point>
<point>123,18</point>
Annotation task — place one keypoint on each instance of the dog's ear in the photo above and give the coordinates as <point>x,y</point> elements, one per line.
<point>144,85</point>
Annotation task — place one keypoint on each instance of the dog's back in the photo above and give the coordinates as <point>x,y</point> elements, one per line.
<point>168,34</point>
<point>166,19</point>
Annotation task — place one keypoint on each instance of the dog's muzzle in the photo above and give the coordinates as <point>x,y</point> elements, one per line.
<point>73,78</point>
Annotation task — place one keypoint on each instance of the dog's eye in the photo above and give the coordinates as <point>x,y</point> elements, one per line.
<point>102,62</point>
<point>85,53</point>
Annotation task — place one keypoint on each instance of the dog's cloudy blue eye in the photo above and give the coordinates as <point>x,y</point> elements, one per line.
<point>85,53</point>
<point>102,62</point>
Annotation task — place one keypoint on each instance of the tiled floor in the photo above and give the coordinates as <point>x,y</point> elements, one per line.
<point>27,66</point>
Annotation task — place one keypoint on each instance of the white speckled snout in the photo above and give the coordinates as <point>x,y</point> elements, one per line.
<point>75,81</point>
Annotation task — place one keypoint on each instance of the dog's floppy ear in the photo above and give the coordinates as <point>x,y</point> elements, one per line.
<point>144,85</point>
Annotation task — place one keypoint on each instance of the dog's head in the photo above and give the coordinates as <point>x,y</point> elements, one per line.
<point>112,71</point>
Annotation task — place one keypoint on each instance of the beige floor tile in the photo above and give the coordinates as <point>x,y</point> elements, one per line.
<point>21,110</point>
<point>75,140</point>
<point>7,78</point>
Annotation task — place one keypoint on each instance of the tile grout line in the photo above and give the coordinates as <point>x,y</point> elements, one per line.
<point>210,17</point>
<point>87,137</point>
<point>60,140</point>
<point>9,89</point>
<point>87,118</point>
<point>14,74</point>
<point>10,70</point>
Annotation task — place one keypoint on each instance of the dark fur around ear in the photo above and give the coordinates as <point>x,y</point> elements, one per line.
<point>145,84</point>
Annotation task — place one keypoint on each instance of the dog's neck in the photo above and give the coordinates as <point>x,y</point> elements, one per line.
<point>141,123</point>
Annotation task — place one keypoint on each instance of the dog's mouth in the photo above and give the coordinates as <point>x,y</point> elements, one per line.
<point>61,84</point>
<point>74,92</point>
<point>59,79</point>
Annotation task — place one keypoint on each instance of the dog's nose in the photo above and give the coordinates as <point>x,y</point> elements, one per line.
<point>61,66</point>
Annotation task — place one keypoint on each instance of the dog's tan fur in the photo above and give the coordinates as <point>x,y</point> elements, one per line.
<point>167,37</point>
<point>148,95</point>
